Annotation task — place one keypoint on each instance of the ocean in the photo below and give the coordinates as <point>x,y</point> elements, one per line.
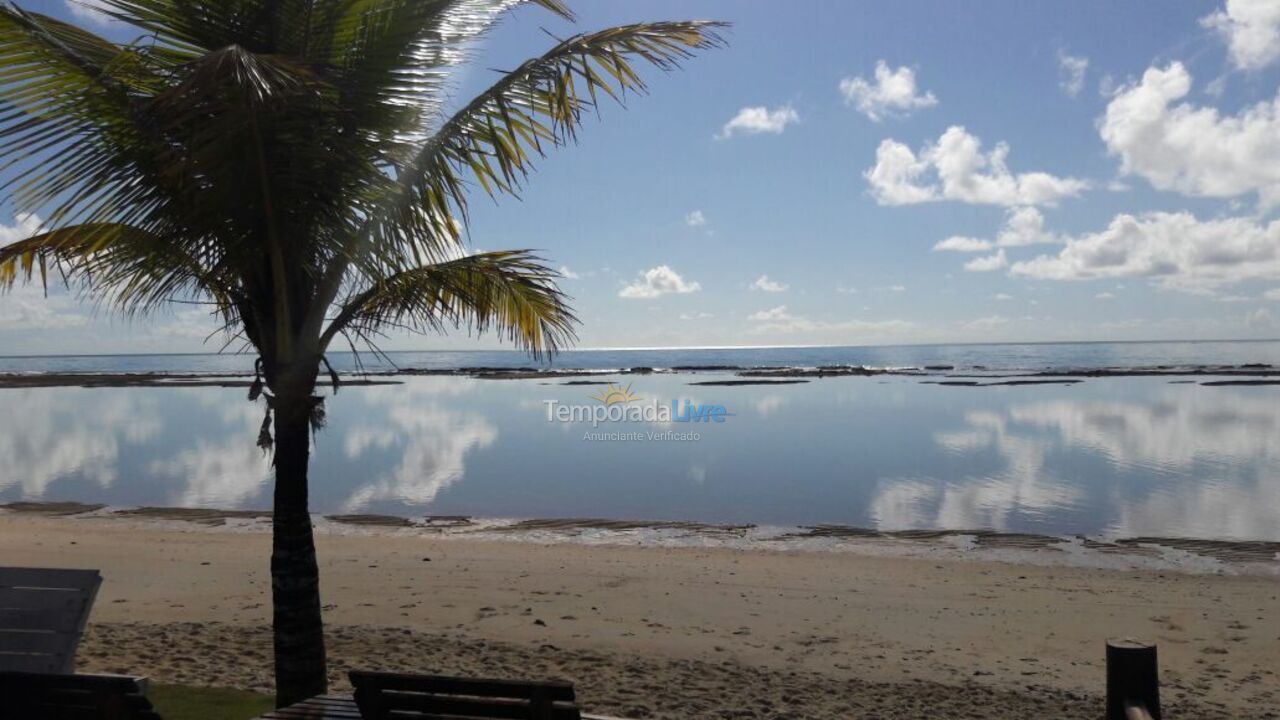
<point>1078,452</point>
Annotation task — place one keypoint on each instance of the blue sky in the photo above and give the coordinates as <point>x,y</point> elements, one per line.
<point>881,173</point>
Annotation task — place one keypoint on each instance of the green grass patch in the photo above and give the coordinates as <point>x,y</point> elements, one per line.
<point>181,702</point>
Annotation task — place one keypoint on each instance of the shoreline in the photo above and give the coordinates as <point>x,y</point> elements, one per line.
<point>841,633</point>
<point>1187,555</point>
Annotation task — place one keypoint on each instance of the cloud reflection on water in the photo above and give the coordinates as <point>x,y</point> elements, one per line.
<point>431,440</point>
<point>1201,460</point>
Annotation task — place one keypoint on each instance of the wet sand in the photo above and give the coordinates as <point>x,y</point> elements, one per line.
<point>669,632</point>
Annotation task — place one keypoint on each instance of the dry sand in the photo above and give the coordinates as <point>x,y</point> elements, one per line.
<point>675,632</point>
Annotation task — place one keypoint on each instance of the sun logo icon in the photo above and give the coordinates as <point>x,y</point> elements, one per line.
<point>614,394</point>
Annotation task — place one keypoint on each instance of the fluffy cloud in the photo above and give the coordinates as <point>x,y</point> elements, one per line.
<point>1189,149</point>
<point>771,315</point>
<point>759,119</point>
<point>960,243</point>
<point>656,282</point>
<point>1025,226</point>
<point>893,92</point>
<point>1177,250</point>
<point>764,284</point>
<point>956,168</point>
<point>568,274</point>
<point>1022,226</point>
<point>1251,29</point>
<point>987,263</point>
<point>1071,70</point>
<point>25,306</point>
<point>781,320</point>
<point>695,219</point>
<point>989,322</point>
<point>434,443</point>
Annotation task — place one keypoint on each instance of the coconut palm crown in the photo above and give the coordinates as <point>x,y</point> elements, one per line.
<point>295,165</point>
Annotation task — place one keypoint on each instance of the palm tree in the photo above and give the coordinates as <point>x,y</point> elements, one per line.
<point>291,163</point>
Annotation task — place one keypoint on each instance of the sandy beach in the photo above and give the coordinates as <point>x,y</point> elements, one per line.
<point>661,632</point>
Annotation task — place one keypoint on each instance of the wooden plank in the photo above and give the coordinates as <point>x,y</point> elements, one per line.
<point>71,697</point>
<point>451,685</point>
<point>34,598</point>
<point>44,618</point>
<point>52,600</point>
<point>95,682</point>
<point>491,708</point>
<point>25,641</point>
<point>26,577</point>
<point>336,707</point>
<point>23,662</point>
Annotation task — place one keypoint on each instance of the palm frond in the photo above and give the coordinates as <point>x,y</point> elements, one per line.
<point>511,293</point>
<point>495,138</point>
<point>137,270</point>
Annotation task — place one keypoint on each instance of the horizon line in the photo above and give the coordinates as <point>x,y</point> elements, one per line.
<point>668,348</point>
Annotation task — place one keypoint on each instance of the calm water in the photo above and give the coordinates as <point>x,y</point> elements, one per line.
<point>1125,456</point>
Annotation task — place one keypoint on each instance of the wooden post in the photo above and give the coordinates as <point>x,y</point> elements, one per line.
<point>1133,682</point>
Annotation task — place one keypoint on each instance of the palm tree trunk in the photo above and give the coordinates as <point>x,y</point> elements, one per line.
<point>295,578</point>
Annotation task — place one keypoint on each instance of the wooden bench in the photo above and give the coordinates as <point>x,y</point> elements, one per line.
<point>380,696</point>
<point>53,696</point>
<point>43,612</point>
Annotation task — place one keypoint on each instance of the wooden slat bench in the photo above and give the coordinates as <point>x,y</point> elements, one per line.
<point>385,695</point>
<point>43,612</point>
<point>55,696</point>
<point>334,707</point>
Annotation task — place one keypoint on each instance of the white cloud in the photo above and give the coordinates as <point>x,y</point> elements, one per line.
<point>985,323</point>
<point>1025,226</point>
<point>770,315</point>
<point>759,119</point>
<point>25,306</point>
<point>1272,294</point>
<point>988,263</point>
<point>696,316</point>
<point>1002,296</point>
<point>846,290</point>
<point>781,320</point>
<point>897,288</point>
<point>764,284</point>
<point>959,243</point>
<point>568,274</point>
<point>1189,149</point>
<point>893,92</point>
<point>1022,226</point>
<point>1071,70</point>
<point>1260,319</point>
<point>955,168</point>
<point>90,10</point>
<point>433,442</point>
<point>695,219</point>
<point>658,281</point>
<point>1105,296</point>
<point>1176,250</point>
<point>1251,29</point>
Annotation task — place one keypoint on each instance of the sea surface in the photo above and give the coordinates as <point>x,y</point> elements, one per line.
<point>1121,456</point>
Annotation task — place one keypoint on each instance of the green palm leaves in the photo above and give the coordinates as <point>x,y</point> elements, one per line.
<point>290,161</point>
